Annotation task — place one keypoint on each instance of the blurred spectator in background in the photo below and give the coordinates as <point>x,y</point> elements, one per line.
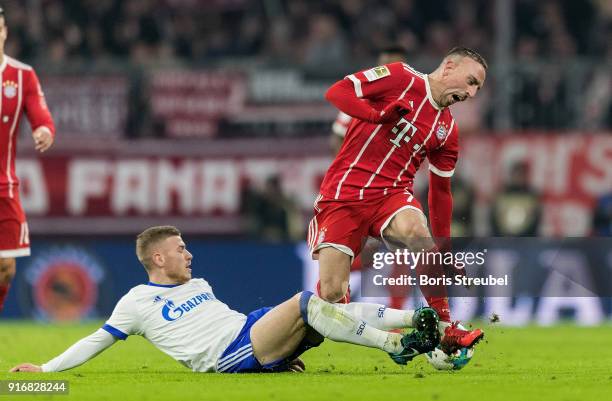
<point>271,214</point>
<point>464,199</point>
<point>602,217</point>
<point>596,111</point>
<point>555,84</point>
<point>325,44</point>
<point>516,210</point>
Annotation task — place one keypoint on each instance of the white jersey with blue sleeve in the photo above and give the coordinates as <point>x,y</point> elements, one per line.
<point>185,321</point>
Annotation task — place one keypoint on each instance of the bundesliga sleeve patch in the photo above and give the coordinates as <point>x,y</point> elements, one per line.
<point>377,73</point>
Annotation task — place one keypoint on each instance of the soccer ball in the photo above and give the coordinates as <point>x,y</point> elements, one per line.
<point>443,361</point>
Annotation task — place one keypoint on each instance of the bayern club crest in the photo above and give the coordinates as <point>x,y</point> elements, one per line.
<point>9,88</point>
<point>441,131</point>
<point>321,236</point>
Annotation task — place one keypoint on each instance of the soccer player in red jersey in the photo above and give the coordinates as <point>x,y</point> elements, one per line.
<point>400,117</point>
<point>20,92</point>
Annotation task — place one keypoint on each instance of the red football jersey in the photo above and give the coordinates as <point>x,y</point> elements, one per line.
<point>20,92</point>
<point>376,159</point>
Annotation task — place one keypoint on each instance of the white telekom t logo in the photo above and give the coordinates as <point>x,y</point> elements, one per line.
<point>407,125</point>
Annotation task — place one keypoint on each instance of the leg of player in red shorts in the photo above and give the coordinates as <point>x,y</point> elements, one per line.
<point>336,235</point>
<point>409,228</point>
<point>400,220</point>
<point>334,273</point>
<point>7,272</point>
<point>14,242</point>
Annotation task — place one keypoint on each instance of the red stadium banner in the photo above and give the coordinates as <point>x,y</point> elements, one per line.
<point>88,106</point>
<point>191,103</point>
<point>569,172</point>
<point>199,188</point>
<point>106,194</point>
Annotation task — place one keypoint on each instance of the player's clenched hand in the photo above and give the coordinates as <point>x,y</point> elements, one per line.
<point>26,367</point>
<point>42,139</point>
<point>393,112</point>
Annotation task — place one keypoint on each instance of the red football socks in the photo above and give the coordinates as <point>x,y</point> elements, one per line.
<point>435,295</point>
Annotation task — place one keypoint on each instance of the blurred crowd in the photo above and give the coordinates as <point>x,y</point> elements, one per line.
<point>314,33</point>
<point>562,46</point>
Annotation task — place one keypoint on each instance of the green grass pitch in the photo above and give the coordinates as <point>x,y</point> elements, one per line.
<point>557,363</point>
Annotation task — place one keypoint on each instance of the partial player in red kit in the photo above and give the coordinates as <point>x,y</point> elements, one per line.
<point>20,92</point>
<point>400,117</point>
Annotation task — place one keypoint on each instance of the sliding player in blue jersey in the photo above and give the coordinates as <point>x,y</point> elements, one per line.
<point>182,317</point>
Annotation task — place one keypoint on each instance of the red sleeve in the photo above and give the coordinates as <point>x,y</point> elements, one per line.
<point>374,83</point>
<point>440,206</point>
<point>378,81</point>
<point>442,166</point>
<point>342,96</point>
<point>35,104</point>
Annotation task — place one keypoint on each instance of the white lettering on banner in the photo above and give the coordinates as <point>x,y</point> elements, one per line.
<point>132,187</point>
<point>302,180</point>
<point>569,172</point>
<point>86,179</point>
<point>600,181</point>
<point>34,194</point>
<point>220,190</point>
<point>513,151</point>
<point>556,156</point>
<point>175,179</point>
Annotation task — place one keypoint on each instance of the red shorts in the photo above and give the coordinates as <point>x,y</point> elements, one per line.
<point>14,233</point>
<point>345,225</point>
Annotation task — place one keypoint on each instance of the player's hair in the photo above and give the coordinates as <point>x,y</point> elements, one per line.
<point>149,237</point>
<point>467,52</point>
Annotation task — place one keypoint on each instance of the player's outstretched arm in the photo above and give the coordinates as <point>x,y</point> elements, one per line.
<point>79,353</point>
<point>38,113</point>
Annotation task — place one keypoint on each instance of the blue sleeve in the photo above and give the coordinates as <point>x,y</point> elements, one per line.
<point>115,332</point>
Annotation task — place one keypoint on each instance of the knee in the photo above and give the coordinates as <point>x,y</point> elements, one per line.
<point>410,229</point>
<point>7,270</point>
<point>331,291</point>
<point>414,234</point>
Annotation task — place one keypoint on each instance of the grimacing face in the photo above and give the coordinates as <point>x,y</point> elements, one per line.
<point>174,259</point>
<point>462,78</point>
